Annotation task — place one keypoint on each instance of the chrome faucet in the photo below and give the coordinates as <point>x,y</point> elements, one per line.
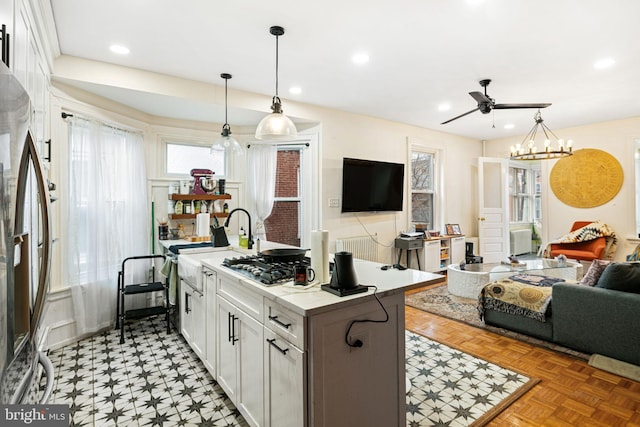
<point>226,224</point>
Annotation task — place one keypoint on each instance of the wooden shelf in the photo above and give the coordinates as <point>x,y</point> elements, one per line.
<point>199,196</point>
<point>192,216</point>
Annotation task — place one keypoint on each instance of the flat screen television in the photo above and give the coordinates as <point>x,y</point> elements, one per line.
<point>371,186</point>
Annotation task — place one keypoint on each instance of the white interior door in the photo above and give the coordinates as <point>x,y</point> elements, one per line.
<point>493,210</point>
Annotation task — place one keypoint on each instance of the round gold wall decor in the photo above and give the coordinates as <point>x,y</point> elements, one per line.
<point>587,179</point>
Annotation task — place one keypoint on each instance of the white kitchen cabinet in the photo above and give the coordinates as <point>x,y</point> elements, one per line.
<point>209,287</point>
<point>240,360</point>
<point>457,249</point>
<point>30,68</point>
<point>20,48</point>
<point>192,309</point>
<point>431,255</point>
<point>441,251</point>
<point>284,379</point>
<point>6,19</point>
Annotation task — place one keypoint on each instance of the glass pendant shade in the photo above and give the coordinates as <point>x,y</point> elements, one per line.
<point>226,143</point>
<point>276,126</point>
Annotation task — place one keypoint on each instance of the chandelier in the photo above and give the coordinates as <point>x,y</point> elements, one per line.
<point>527,149</point>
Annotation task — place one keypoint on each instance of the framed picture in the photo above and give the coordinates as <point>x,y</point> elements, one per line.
<point>453,229</point>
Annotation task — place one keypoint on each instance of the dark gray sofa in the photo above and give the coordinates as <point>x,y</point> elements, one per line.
<point>597,320</point>
<point>585,318</point>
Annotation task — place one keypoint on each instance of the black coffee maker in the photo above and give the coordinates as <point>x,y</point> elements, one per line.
<point>343,279</point>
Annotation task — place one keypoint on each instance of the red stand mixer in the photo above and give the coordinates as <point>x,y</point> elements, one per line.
<point>203,182</point>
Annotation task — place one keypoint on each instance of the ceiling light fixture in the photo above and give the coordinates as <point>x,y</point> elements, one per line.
<point>360,58</point>
<point>119,49</point>
<point>527,149</point>
<point>295,90</point>
<point>226,142</point>
<point>276,126</point>
<point>604,63</point>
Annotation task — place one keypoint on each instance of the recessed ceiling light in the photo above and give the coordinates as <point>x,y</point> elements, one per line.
<point>360,58</point>
<point>119,49</point>
<point>444,107</point>
<point>509,126</point>
<point>603,63</point>
<point>295,90</point>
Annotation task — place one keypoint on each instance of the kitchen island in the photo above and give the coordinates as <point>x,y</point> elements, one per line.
<point>293,356</point>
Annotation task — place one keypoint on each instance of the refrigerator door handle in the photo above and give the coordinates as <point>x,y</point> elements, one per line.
<point>48,371</point>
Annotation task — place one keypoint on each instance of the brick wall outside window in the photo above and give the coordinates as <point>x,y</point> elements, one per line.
<point>282,224</point>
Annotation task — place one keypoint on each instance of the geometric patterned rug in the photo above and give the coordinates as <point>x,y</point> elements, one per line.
<point>155,379</point>
<point>452,388</point>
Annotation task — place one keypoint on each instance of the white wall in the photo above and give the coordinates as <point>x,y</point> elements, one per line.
<point>341,135</point>
<point>616,138</point>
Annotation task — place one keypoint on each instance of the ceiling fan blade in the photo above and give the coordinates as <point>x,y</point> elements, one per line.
<point>514,106</point>
<point>480,97</point>
<point>461,115</point>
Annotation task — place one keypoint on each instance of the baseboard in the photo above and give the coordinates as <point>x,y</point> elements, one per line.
<point>615,366</point>
<point>65,331</point>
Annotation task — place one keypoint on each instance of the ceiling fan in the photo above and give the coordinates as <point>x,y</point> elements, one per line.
<point>486,103</point>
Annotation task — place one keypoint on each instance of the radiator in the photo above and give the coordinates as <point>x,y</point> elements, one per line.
<point>520,241</point>
<point>362,247</point>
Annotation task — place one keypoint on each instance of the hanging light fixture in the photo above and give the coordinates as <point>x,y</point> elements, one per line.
<point>527,149</point>
<point>226,142</point>
<point>276,126</point>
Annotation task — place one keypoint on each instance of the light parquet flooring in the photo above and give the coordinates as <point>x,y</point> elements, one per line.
<point>571,392</point>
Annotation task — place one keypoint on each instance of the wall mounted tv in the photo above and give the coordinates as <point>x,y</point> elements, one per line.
<point>371,186</point>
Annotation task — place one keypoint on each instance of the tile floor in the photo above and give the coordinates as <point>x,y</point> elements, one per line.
<point>155,379</point>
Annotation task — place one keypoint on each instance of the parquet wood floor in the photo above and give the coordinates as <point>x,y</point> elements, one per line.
<point>571,392</point>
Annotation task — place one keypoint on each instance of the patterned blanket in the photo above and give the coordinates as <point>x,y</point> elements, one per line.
<point>588,232</point>
<point>521,294</point>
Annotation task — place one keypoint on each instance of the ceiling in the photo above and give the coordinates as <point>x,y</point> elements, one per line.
<point>423,53</point>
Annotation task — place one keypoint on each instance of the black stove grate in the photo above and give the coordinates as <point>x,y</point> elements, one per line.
<point>267,272</point>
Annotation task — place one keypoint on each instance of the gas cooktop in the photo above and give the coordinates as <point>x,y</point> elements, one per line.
<point>265,271</point>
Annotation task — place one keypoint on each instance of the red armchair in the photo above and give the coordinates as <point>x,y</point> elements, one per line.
<point>584,251</point>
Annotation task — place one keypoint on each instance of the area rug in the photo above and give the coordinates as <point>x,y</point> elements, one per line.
<point>438,301</point>
<point>452,388</point>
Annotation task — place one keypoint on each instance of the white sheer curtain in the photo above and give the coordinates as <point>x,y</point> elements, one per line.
<point>108,216</point>
<point>262,161</point>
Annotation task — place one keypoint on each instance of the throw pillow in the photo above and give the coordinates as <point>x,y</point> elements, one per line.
<point>594,272</point>
<point>621,276</point>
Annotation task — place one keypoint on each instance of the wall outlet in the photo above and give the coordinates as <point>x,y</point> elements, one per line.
<point>334,202</point>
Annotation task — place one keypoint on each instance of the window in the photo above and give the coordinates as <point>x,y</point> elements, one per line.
<point>181,157</point>
<point>524,194</point>
<point>423,188</point>
<point>284,223</point>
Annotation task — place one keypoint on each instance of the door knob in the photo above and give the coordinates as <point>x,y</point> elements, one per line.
<point>481,218</point>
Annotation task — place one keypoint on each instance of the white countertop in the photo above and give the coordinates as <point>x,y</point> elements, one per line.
<point>312,299</point>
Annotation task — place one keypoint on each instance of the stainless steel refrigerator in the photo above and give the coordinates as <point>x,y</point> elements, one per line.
<point>25,251</point>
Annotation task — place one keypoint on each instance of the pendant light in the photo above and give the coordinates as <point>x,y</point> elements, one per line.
<point>276,126</point>
<point>226,142</point>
